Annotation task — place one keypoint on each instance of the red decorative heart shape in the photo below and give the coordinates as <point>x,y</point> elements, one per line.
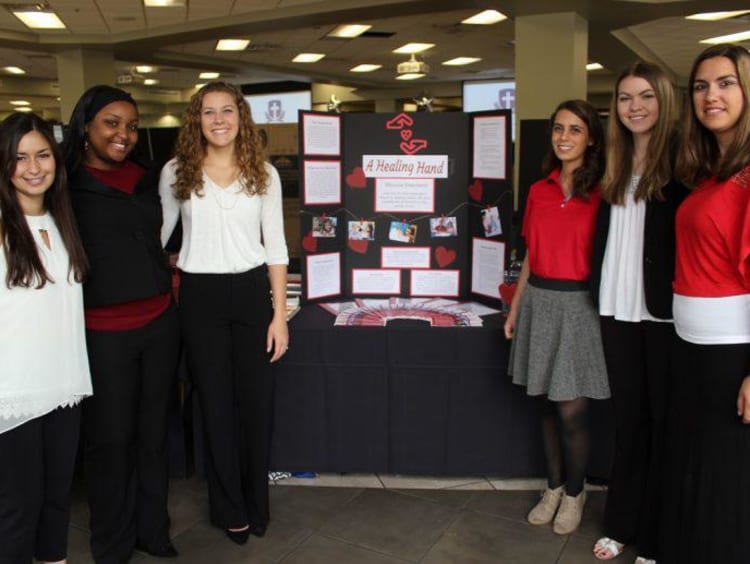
<point>413,146</point>
<point>507,291</point>
<point>357,178</point>
<point>310,243</point>
<point>406,134</point>
<point>475,190</point>
<point>399,122</point>
<point>444,256</point>
<point>358,245</point>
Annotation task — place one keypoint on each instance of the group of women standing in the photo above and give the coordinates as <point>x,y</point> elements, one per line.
<point>86,279</point>
<point>658,242</point>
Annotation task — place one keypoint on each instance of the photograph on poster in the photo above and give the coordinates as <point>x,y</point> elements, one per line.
<point>443,227</point>
<point>322,182</point>
<point>405,257</point>
<point>491,222</point>
<point>324,226</point>
<point>323,275</point>
<point>362,230</point>
<point>402,232</point>
<point>321,134</point>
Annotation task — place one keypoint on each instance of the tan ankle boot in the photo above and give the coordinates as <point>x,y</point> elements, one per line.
<point>569,516</point>
<point>544,511</point>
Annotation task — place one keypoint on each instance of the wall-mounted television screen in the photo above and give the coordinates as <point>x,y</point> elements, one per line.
<point>487,95</point>
<point>278,107</point>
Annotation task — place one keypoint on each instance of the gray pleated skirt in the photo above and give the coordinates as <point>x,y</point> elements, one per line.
<point>557,346</point>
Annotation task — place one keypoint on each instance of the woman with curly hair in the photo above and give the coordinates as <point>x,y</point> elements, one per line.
<point>557,348</point>
<point>233,244</point>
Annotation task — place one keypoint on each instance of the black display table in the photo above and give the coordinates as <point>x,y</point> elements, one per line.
<point>409,399</point>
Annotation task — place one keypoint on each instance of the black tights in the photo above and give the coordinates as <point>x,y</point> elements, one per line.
<point>566,443</point>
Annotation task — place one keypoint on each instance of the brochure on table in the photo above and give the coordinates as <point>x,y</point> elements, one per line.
<point>404,205</point>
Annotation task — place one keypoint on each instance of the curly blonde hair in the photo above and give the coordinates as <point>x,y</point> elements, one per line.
<point>190,149</point>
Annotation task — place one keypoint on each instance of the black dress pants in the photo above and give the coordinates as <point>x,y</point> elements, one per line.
<point>225,320</point>
<point>37,460</point>
<point>638,364</point>
<point>125,428</point>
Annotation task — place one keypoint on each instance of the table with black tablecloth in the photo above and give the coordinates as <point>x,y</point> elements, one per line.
<point>409,399</point>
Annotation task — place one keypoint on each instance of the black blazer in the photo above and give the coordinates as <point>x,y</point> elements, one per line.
<point>658,249</point>
<point>121,236</point>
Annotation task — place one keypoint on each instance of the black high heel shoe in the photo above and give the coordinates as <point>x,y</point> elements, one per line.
<point>238,537</point>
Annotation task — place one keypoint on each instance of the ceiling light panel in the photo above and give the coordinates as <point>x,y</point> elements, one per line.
<point>410,76</point>
<point>150,81</point>
<point>308,58</point>
<point>414,48</point>
<point>39,19</point>
<point>488,17</point>
<point>716,16</point>
<point>14,70</point>
<point>164,3</point>
<point>348,31</point>
<point>20,103</point>
<point>460,61</point>
<point>731,38</point>
<point>209,75</point>
<point>365,68</point>
<point>594,66</point>
<point>144,69</point>
<point>232,44</point>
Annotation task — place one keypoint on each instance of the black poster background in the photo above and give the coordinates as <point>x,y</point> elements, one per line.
<point>446,134</point>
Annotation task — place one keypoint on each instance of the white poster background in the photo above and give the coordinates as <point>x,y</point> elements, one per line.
<point>489,147</point>
<point>323,275</point>
<point>412,195</point>
<point>434,282</point>
<point>487,264</point>
<point>322,182</point>
<point>321,135</point>
<point>376,281</point>
<point>405,257</point>
<point>405,166</point>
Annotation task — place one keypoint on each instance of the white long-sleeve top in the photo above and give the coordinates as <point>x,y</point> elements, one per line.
<point>226,230</point>
<point>43,361</point>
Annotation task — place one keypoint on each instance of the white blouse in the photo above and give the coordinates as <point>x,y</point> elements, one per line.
<point>621,292</point>
<point>42,337</point>
<point>226,230</point>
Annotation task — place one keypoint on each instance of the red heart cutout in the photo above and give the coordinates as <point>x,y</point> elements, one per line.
<point>357,178</point>
<point>507,291</point>
<point>358,245</point>
<point>399,122</point>
<point>444,256</point>
<point>406,134</point>
<point>475,190</point>
<point>310,243</point>
<point>413,146</point>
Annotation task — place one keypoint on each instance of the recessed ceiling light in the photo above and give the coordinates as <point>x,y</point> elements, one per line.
<point>24,109</point>
<point>731,38</point>
<point>594,66</point>
<point>164,3</point>
<point>232,44</point>
<point>410,76</point>
<point>19,103</point>
<point>308,58</point>
<point>348,31</point>
<point>209,75</point>
<point>414,48</point>
<point>150,81</point>
<point>716,16</point>
<point>459,61</point>
<point>14,70</point>
<point>200,85</point>
<point>39,19</point>
<point>144,69</point>
<point>488,17</point>
<point>365,68</point>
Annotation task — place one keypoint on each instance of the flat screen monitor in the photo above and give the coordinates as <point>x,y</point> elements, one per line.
<point>278,107</point>
<point>487,95</point>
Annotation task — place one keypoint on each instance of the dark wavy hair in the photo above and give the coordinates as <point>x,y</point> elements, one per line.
<point>658,164</point>
<point>699,156</point>
<point>73,146</point>
<point>25,268</point>
<point>191,146</point>
<point>587,176</point>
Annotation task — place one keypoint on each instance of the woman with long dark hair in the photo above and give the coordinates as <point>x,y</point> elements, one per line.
<point>45,372</point>
<point>556,351</point>
<point>132,328</point>
<point>706,510</point>
<point>233,261</point>
<point>631,282</point>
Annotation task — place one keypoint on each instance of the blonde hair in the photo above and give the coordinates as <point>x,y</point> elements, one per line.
<point>657,168</point>
<point>190,149</point>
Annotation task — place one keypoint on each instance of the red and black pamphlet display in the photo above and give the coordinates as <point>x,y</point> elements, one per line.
<point>404,205</point>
